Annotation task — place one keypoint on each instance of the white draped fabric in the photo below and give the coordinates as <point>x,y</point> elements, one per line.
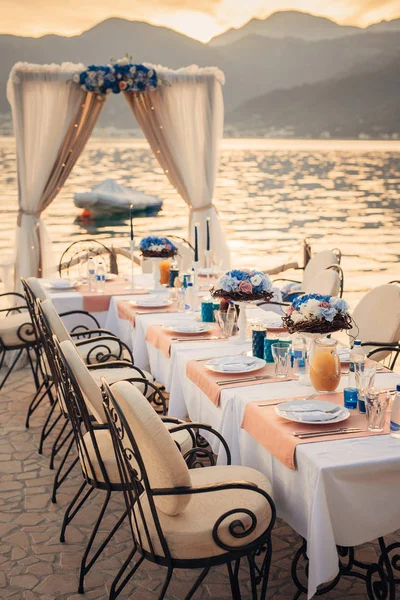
<point>183,123</point>
<point>44,103</point>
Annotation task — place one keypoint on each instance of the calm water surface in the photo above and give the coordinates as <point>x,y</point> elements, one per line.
<point>270,194</point>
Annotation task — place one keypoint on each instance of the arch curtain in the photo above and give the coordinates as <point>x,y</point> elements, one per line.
<point>53,118</point>
<point>183,123</point>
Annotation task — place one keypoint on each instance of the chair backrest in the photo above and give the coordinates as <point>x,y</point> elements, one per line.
<point>326,282</point>
<point>36,288</point>
<point>89,452</point>
<point>82,250</point>
<point>319,262</point>
<point>84,379</point>
<point>57,326</point>
<point>155,449</point>
<point>377,318</point>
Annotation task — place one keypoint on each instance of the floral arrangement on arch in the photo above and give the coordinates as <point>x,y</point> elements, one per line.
<point>119,76</point>
<point>156,247</point>
<point>242,286</point>
<point>315,313</point>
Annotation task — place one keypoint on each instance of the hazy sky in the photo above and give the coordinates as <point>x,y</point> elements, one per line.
<point>200,19</point>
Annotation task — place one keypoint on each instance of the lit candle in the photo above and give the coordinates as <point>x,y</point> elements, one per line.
<point>208,233</point>
<point>196,245</point>
<point>131,219</point>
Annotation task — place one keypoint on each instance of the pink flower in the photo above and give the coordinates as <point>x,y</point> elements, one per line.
<point>123,85</point>
<point>245,287</point>
<point>325,304</point>
<point>289,311</point>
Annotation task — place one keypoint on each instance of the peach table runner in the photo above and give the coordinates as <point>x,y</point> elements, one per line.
<point>206,380</point>
<point>128,312</point>
<point>276,434</point>
<point>100,301</point>
<point>162,339</point>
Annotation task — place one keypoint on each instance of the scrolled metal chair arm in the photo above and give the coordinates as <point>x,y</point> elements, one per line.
<point>90,332</point>
<point>204,427</point>
<point>394,345</point>
<point>26,332</point>
<point>15,294</point>
<point>105,341</point>
<point>149,384</point>
<point>12,308</point>
<point>81,312</point>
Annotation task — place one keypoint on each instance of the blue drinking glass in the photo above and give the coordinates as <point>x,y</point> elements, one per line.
<point>258,337</point>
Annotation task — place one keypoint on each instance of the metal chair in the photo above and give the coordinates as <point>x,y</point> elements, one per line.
<point>377,323</point>
<point>315,265</point>
<point>17,334</point>
<point>185,519</point>
<point>82,250</point>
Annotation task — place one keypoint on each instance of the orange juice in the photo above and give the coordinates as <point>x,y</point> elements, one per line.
<point>325,371</point>
<point>165,267</point>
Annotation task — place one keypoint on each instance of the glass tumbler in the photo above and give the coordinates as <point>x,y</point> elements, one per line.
<point>365,379</point>
<point>281,352</point>
<point>376,404</point>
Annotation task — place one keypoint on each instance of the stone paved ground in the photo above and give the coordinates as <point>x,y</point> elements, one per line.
<point>34,565</point>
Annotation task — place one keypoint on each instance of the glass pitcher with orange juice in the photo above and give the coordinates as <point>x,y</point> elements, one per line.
<point>325,369</point>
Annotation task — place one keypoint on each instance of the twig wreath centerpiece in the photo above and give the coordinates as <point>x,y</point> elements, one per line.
<point>119,76</point>
<point>243,286</point>
<point>156,247</point>
<point>314,313</point>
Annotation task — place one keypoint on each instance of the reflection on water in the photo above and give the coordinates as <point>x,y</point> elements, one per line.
<point>270,195</point>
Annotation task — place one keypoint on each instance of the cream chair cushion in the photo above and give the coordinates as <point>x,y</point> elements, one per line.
<point>164,463</point>
<point>11,324</point>
<point>89,381</point>
<point>37,288</point>
<point>326,282</point>
<point>189,534</point>
<point>377,317</point>
<point>319,262</point>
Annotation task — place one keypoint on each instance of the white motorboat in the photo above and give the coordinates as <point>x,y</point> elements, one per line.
<point>110,196</point>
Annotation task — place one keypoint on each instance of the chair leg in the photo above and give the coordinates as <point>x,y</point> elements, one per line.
<point>46,432</point>
<point>56,447</point>
<point>33,369</point>
<point>58,481</point>
<point>37,400</point>
<point>72,509</point>
<point>233,579</point>
<point>85,567</point>
<point>166,584</point>
<point>114,590</point>
<point>265,568</point>
<point>10,369</point>
<point>197,583</point>
<point>253,579</point>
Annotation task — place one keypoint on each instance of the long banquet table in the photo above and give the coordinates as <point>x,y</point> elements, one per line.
<point>343,492</point>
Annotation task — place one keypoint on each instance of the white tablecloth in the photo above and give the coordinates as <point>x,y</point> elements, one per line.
<point>343,492</point>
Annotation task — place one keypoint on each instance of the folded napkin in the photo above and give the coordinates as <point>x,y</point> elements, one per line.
<point>234,364</point>
<point>60,284</point>
<point>311,412</point>
<point>152,301</point>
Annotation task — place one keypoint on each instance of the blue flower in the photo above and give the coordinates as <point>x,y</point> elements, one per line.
<point>227,283</point>
<point>340,305</point>
<point>328,313</point>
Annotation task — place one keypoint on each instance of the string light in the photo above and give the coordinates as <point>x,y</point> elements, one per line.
<point>161,127</point>
<point>76,125</point>
<point>152,108</point>
<point>166,170</point>
<point>63,165</point>
<point>158,151</point>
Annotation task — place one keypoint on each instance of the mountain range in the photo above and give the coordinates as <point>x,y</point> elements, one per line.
<point>274,69</point>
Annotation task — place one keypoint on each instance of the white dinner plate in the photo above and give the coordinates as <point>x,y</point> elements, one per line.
<point>235,364</point>
<point>60,284</point>
<point>188,328</point>
<point>287,410</point>
<point>151,302</point>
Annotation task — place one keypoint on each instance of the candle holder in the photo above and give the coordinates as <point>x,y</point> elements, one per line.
<point>208,267</point>
<point>196,266</point>
<point>132,250</point>
<point>156,274</point>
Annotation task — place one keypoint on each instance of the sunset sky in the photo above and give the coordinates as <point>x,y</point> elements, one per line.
<point>201,19</point>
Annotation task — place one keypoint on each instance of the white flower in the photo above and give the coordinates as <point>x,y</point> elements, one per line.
<point>76,78</point>
<point>123,61</point>
<point>16,79</point>
<point>297,317</point>
<point>310,308</point>
<point>150,73</point>
<point>132,70</point>
<point>256,280</point>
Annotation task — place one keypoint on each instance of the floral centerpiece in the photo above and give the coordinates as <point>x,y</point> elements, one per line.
<point>315,313</point>
<point>157,247</point>
<point>119,76</point>
<point>243,286</point>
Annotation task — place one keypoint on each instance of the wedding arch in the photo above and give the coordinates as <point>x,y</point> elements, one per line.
<point>55,109</point>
